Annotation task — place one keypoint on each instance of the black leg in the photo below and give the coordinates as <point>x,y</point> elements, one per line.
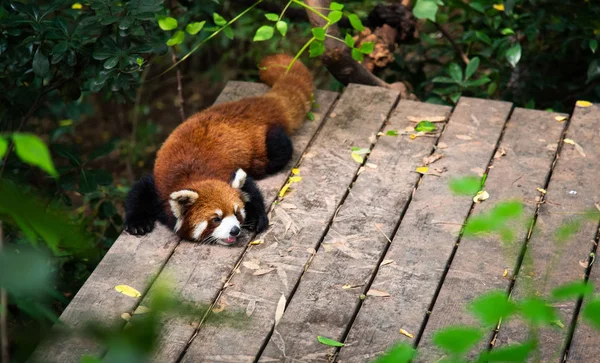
<point>256,215</point>
<point>143,207</point>
<point>279,149</point>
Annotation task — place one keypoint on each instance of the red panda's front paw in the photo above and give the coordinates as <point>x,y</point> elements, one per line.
<point>139,228</point>
<point>262,222</point>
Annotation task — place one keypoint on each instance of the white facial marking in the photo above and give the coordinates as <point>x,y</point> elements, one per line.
<point>243,213</point>
<point>239,179</point>
<point>222,231</point>
<point>219,213</point>
<point>235,207</point>
<point>198,230</point>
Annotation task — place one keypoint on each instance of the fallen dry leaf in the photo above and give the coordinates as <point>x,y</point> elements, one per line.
<point>583,263</point>
<point>481,196</point>
<point>295,171</point>
<point>256,242</point>
<point>371,165</point>
<point>333,115</point>
<point>442,145</point>
<point>422,169</point>
<point>284,189</point>
<point>280,309</point>
<point>263,271</point>
<point>432,158</point>
<point>251,307</point>
<point>412,136</point>
<point>552,147</point>
<point>295,179</point>
<point>385,262</point>
<point>582,103</point>
<point>404,332</point>
<point>560,118</point>
<point>569,141</point>
<point>428,118</point>
<point>350,286</point>
<point>358,158</point>
<point>505,272</point>
<point>464,137</point>
<point>125,316</point>
<point>217,309</point>
<point>377,293</point>
<point>541,190</point>
<point>251,265</point>
<point>127,290</point>
<point>577,146</point>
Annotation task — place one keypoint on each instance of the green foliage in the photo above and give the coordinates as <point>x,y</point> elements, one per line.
<point>518,353</point>
<point>591,313</point>
<point>497,220</point>
<point>537,311</point>
<point>400,353</point>
<point>425,126</point>
<point>457,340</point>
<point>492,307</point>
<point>466,185</point>
<point>573,290</point>
<point>329,342</point>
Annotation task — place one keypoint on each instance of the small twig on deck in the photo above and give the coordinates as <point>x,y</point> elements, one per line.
<point>3,312</point>
<point>179,86</point>
<point>457,47</point>
<point>384,235</point>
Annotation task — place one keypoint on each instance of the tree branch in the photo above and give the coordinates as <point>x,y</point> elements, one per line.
<point>457,47</point>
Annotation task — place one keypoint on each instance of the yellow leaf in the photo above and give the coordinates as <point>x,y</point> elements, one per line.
<point>481,196</point>
<point>569,141</point>
<point>413,136</point>
<point>581,103</point>
<point>359,159</point>
<point>257,242</point>
<point>66,122</point>
<point>284,189</point>
<point>499,7</point>
<point>422,169</point>
<point>404,332</point>
<point>378,293</point>
<point>541,190</point>
<point>560,118</point>
<point>505,272</point>
<point>76,6</point>
<point>295,179</point>
<point>127,290</point>
<point>295,171</point>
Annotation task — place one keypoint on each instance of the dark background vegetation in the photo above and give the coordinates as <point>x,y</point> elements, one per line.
<point>87,78</point>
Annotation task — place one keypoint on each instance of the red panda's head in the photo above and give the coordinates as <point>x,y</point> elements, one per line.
<point>210,210</point>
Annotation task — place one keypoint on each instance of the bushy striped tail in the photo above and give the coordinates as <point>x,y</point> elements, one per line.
<point>293,89</point>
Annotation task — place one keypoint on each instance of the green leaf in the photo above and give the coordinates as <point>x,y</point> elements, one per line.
<point>329,342</point>
<point>593,45</point>
<point>316,48</point>
<point>367,47</point>
<point>490,308</point>
<point>455,72</point>
<point>334,16</point>
<point>272,16</point>
<point>507,31</point>
<point>310,116</point>
<point>336,6</point>
<point>194,28</point>
<point>355,22</point>
<point>87,182</point>
<point>357,55</point>
<point>41,65</point>
<point>537,311</point>
<point>167,23</point>
<point>591,313</point>
<point>60,48</point>
<point>511,353</point>
<point>32,150</point>
<point>568,229</point>
<point>457,339</point>
<point>318,33</point>
<point>3,146</point>
<point>425,126</point>
<point>177,38</point>
<point>513,54</point>
<point>228,32</point>
<point>219,20</point>
<point>465,186</point>
<point>282,27</point>
<point>392,133</point>
<point>111,62</point>
<point>593,70</point>
<point>477,6</point>
<point>425,9</point>
<point>476,82</point>
<point>471,68</point>
<point>349,41</point>
<point>483,37</point>
<point>90,359</point>
<point>263,33</point>
<point>573,290</point>
<point>400,353</point>
<point>443,80</point>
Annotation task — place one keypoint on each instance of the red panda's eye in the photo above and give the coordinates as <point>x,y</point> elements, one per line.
<point>216,220</point>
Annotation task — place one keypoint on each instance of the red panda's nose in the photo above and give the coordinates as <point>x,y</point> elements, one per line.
<point>235,231</point>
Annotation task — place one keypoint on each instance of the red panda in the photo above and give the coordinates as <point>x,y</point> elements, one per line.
<point>202,185</point>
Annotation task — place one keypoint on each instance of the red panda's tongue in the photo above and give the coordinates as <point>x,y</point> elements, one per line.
<point>230,240</point>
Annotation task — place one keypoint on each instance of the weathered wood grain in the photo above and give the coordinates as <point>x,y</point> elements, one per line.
<point>573,189</point>
<point>427,234</point>
<point>299,222</point>
<point>196,273</point>
<point>132,261</point>
<point>353,246</point>
<point>480,262</point>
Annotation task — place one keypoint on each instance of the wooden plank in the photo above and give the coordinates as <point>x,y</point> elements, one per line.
<point>196,273</point>
<point>427,234</point>
<point>353,246</point>
<point>299,222</point>
<point>132,261</point>
<point>573,189</point>
<point>480,263</point>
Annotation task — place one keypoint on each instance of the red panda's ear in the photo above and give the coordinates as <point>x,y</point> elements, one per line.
<point>180,200</point>
<point>239,179</point>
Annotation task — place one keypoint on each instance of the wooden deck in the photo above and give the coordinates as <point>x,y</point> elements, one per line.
<point>346,229</point>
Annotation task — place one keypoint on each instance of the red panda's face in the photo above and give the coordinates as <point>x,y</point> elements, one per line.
<point>210,211</point>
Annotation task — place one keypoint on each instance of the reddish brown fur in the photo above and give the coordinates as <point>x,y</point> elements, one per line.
<point>212,144</point>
